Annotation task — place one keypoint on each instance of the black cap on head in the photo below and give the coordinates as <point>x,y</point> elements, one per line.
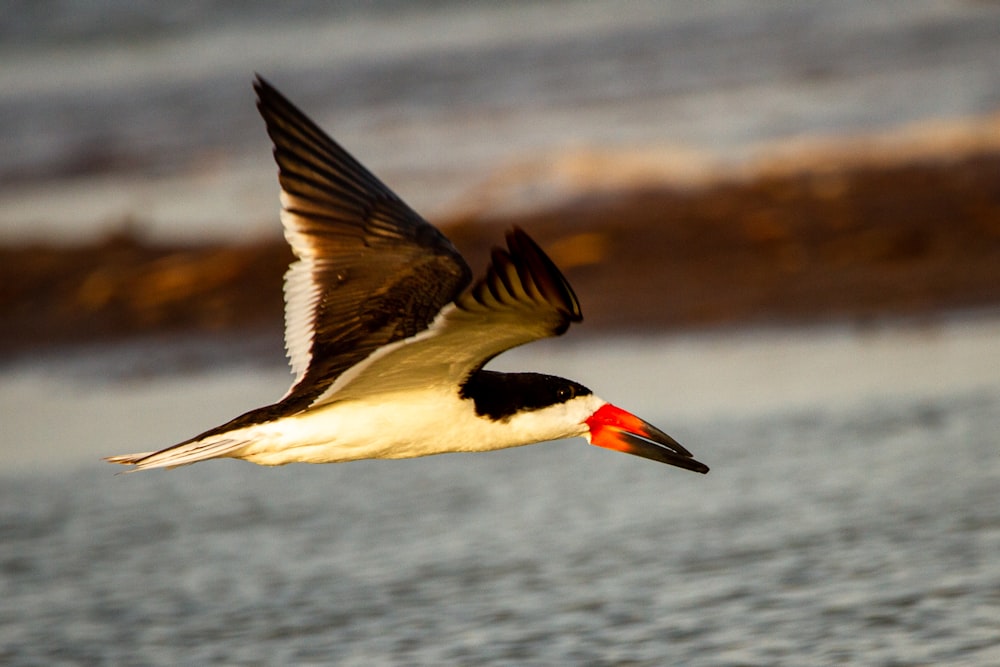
<point>499,396</point>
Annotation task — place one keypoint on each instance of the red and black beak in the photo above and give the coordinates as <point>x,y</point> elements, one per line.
<point>613,428</point>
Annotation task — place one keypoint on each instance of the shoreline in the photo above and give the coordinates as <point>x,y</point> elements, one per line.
<point>819,243</point>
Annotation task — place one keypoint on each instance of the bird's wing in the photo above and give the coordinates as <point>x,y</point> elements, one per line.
<point>523,297</point>
<point>370,270</point>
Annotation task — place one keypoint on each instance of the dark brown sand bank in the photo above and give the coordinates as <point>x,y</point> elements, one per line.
<point>849,242</point>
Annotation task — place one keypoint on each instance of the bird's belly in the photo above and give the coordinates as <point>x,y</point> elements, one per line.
<point>388,429</point>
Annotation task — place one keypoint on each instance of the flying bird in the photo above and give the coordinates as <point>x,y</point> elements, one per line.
<point>388,335</point>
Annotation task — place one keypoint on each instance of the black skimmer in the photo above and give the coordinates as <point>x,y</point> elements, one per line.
<point>387,333</point>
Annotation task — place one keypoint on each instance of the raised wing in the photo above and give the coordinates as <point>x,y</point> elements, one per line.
<point>523,297</point>
<point>370,270</point>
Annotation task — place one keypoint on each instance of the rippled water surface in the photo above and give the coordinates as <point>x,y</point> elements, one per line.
<point>852,514</point>
<point>851,523</point>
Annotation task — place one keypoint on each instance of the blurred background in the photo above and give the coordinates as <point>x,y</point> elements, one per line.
<point>783,223</point>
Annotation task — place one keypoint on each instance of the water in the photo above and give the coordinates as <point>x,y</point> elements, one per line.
<point>850,517</point>
<point>113,113</point>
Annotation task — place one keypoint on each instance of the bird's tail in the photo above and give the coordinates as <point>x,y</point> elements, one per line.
<point>128,459</point>
<point>181,455</point>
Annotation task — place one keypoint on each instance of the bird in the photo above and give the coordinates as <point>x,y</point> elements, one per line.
<point>387,333</point>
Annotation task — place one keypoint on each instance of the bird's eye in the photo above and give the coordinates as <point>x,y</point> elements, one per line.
<point>564,393</point>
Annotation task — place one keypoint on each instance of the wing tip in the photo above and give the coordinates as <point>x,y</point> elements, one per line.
<point>262,88</point>
<point>545,274</point>
<point>273,106</point>
<point>523,272</point>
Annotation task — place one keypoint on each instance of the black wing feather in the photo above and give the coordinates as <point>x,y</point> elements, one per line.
<point>380,271</point>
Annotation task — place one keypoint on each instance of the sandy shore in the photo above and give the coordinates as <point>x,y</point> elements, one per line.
<point>813,242</point>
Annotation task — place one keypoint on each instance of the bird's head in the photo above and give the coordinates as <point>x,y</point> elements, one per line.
<point>544,407</point>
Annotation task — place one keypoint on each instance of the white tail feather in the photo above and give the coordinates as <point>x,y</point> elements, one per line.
<point>127,459</point>
<point>181,455</point>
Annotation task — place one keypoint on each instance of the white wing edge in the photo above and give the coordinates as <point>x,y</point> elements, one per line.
<point>301,293</point>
